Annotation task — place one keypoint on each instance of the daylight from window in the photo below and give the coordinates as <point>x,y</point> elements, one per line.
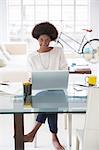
<point>69,16</point>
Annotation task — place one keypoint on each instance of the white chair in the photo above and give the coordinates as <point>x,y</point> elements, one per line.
<point>88,138</point>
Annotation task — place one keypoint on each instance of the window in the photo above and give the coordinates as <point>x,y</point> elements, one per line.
<point>67,15</point>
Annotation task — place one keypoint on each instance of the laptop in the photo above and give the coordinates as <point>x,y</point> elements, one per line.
<point>50,80</point>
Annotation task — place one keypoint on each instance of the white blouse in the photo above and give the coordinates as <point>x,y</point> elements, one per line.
<point>51,60</point>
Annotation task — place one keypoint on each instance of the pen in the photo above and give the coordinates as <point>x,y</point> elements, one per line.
<point>81,85</point>
<point>4,84</point>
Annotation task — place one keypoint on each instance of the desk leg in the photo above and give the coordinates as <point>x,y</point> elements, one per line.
<point>70,128</point>
<point>19,131</point>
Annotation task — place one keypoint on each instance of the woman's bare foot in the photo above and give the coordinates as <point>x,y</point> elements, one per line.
<point>56,143</point>
<point>29,137</point>
<point>58,146</point>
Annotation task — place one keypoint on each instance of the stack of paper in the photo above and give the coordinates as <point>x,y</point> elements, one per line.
<point>11,88</point>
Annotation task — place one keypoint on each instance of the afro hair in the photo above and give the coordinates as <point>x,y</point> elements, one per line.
<point>45,28</point>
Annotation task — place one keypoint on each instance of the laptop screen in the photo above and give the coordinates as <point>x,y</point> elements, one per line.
<point>50,80</point>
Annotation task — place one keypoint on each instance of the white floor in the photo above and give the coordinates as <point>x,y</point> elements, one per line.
<point>43,135</point>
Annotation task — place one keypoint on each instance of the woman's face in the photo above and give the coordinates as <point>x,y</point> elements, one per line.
<point>44,41</point>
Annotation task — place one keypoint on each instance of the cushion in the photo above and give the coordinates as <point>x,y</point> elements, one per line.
<point>4,52</point>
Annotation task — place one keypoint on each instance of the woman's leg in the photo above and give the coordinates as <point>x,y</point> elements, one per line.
<point>39,120</point>
<point>52,121</point>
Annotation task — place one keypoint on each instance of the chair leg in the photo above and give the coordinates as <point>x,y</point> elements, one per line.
<point>77,143</point>
<point>35,141</point>
<point>65,121</point>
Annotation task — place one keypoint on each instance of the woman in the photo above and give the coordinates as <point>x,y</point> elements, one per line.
<point>46,58</point>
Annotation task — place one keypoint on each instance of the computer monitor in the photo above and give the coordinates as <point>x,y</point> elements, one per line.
<point>50,80</point>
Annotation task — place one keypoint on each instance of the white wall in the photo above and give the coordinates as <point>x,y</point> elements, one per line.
<point>94,17</point>
<point>3,21</point>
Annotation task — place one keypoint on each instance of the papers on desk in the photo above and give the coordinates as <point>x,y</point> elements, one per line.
<point>11,88</point>
<point>77,90</point>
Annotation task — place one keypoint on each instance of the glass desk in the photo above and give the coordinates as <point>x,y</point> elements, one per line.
<point>44,101</point>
